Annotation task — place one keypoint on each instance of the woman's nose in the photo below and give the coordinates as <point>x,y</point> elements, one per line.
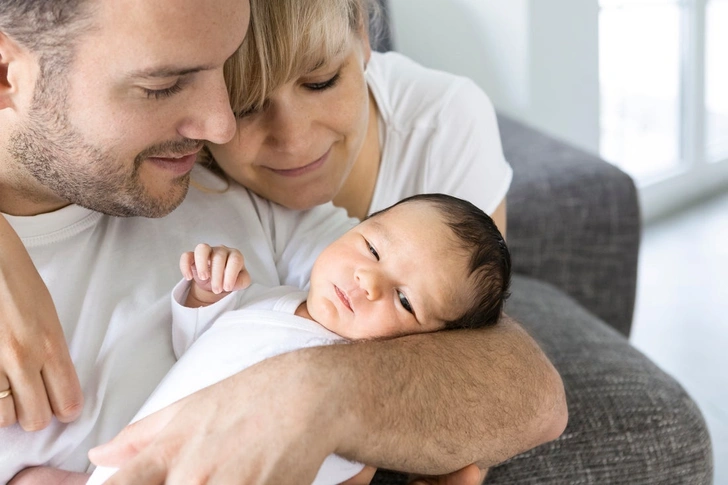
<point>288,128</point>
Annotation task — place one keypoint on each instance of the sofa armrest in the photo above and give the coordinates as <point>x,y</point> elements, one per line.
<point>573,221</point>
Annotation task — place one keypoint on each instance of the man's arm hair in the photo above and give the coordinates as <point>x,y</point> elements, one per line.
<point>434,403</point>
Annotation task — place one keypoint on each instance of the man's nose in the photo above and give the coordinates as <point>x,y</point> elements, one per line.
<point>212,119</point>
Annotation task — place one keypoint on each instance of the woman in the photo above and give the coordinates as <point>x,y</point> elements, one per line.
<point>333,120</point>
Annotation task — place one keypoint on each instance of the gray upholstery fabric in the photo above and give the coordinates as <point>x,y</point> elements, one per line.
<point>629,422</point>
<point>573,220</point>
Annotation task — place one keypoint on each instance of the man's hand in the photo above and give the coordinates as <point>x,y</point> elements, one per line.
<point>258,427</point>
<point>215,272</point>
<point>35,364</point>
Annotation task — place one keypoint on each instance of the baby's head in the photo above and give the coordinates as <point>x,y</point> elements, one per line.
<point>430,262</point>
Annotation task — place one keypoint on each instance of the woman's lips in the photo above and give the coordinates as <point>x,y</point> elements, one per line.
<point>295,172</point>
<point>344,299</point>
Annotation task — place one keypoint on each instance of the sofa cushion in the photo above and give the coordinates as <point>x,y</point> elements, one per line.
<point>629,422</point>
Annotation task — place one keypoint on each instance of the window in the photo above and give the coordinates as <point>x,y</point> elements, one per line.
<point>639,76</point>
<point>664,93</point>
<point>716,81</point>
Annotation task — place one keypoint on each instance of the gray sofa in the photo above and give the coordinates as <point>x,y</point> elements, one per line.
<point>573,230</point>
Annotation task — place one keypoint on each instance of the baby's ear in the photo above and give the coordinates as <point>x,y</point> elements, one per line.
<point>18,72</point>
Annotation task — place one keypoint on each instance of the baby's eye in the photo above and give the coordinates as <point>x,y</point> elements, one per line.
<point>372,250</point>
<point>405,302</point>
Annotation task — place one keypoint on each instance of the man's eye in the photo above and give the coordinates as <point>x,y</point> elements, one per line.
<point>405,302</point>
<point>372,250</point>
<point>163,93</point>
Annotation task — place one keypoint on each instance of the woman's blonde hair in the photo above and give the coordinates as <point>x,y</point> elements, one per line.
<point>287,38</point>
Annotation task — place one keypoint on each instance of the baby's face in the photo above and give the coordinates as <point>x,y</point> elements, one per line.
<point>397,273</point>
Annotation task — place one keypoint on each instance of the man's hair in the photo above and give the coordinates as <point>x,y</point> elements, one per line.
<point>489,266</point>
<point>45,27</point>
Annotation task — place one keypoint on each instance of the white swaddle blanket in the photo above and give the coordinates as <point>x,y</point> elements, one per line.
<point>235,341</point>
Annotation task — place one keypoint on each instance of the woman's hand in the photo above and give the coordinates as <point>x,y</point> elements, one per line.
<point>35,365</point>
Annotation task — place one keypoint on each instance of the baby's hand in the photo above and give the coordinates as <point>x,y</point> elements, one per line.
<point>216,271</point>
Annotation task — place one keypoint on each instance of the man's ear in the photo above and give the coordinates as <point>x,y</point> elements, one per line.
<point>14,72</point>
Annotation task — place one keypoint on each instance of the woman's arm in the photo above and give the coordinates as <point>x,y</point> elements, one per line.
<point>426,404</point>
<point>34,356</point>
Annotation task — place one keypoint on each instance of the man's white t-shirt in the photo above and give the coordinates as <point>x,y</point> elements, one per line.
<point>111,278</point>
<point>438,132</point>
<point>219,340</point>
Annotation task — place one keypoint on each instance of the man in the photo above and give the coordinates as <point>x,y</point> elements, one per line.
<point>103,107</point>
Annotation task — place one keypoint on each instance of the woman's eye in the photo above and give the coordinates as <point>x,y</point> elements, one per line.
<point>245,113</point>
<point>323,85</point>
<point>163,93</point>
<point>372,250</point>
<point>405,302</point>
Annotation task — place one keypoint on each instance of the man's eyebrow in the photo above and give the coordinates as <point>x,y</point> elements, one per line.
<point>168,71</point>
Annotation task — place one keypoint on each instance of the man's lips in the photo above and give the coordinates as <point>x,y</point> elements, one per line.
<point>178,164</point>
<point>344,299</point>
<point>295,172</point>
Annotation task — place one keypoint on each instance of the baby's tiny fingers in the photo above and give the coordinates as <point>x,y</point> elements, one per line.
<point>235,266</point>
<point>243,280</point>
<point>202,260</point>
<point>186,262</point>
<point>218,263</point>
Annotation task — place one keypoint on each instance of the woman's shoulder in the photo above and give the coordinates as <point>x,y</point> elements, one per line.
<point>408,92</point>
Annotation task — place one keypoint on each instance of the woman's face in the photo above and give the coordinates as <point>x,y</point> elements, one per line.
<point>299,148</point>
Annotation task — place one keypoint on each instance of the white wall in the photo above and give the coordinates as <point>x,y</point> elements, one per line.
<point>536,59</point>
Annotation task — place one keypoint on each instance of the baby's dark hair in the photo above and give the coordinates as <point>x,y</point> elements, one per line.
<point>490,260</point>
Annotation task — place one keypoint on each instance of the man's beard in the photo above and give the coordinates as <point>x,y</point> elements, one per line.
<point>48,149</point>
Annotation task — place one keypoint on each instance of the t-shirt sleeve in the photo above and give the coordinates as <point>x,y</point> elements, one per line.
<point>466,157</point>
<point>300,236</point>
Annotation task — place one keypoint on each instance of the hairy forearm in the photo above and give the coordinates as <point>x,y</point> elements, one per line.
<point>48,476</point>
<point>435,403</point>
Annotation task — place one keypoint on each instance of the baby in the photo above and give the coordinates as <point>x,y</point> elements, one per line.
<point>430,262</point>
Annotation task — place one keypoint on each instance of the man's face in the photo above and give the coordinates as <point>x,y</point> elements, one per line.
<point>397,273</point>
<point>119,129</point>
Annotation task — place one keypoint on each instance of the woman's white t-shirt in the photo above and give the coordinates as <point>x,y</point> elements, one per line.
<point>438,133</point>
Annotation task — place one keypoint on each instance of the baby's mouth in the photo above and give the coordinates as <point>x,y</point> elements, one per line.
<point>344,299</point>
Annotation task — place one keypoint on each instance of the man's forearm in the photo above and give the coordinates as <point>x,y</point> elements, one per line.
<point>437,402</point>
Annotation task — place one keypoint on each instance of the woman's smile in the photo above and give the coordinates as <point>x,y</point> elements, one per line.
<point>295,172</point>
